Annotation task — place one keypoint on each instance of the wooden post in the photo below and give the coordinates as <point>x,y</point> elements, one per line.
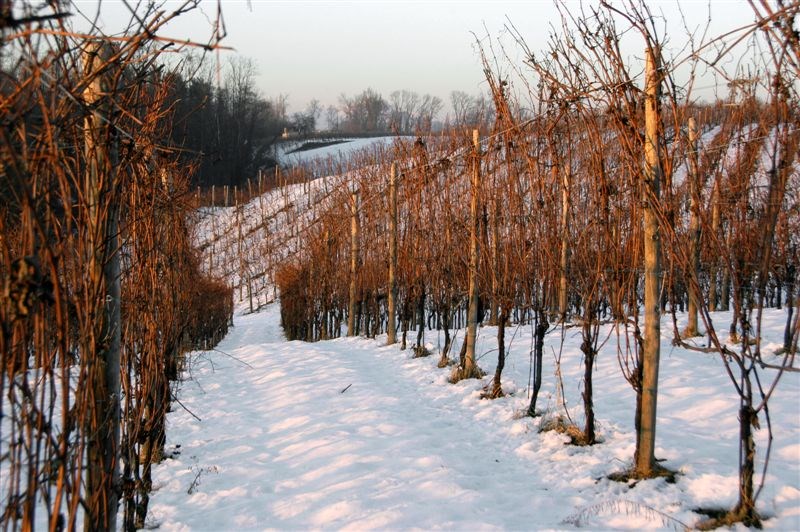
<point>469,370</point>
<point>213,247</point>
<point>391,326</point>
<point>493,311</point>
<point>250,290</point>
<point>714,267</point>
<point>239,242</point>
<point>103,356</point>
<point>694,229</point>
<point>325,332</point>
<point>354,230</point>
<point>645,457</point>
<point>264,218</point>
<point>564,258</point>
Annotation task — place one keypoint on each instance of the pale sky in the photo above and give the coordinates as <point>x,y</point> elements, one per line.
<point>321,49</point>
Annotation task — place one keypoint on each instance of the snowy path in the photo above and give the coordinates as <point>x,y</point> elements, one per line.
<point>281,445</point>
<point>386,452</point>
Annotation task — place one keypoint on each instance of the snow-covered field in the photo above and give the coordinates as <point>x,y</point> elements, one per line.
<point>352,434</point>
<point>347,147</point>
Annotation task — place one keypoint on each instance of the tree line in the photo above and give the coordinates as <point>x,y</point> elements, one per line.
<point>405,112</point>
<point>224,121</point>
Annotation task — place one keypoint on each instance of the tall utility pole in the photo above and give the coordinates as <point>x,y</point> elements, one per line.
<point>354,231</point>
<point>103,355</point>
<point>469,369</point>
<point>391,326</point>
<point>646,440</point>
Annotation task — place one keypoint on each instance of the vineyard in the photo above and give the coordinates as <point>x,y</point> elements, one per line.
<point>615,201</point>
<point>603,218</point>
<point>103,291</point>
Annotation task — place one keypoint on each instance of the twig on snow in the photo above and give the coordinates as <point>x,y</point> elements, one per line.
<point>175,398</point>
<point>233,357</point>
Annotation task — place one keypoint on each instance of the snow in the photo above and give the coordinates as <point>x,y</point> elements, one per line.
<point>343,149</point>
<point>352,434</point>
<point>247,240</point>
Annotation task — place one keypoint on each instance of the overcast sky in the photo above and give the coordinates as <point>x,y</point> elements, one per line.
<point>321,49</point>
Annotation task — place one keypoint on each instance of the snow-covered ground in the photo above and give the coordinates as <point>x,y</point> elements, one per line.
<point>352,434</point>
<point>347,147</point>
<point>247,241</point>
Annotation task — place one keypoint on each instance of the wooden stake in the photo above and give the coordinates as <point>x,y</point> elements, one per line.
<point>713,273</point>
<point>103,356</point>
<point>564,259</point>
<point>645,457</point>
<point>469,370</point>
<point>239,243</point>
<point>354,230</point>
<point>694,228</point>
<point>392,319</point>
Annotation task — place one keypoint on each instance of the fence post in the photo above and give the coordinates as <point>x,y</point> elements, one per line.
<point>646,437</point>
<point>694,227</point>
<point>469,369</point>
<point>354,230</point>
<point>391,326</point>
<point>103,356</point>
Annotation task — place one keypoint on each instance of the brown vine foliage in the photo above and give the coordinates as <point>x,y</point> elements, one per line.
<point>85,184</point>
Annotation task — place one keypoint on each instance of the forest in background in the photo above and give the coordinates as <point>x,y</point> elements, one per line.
<point>223,121</point>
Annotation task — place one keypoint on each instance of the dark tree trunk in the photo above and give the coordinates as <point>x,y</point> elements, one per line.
<point>724,296</point>
<point>446,316</point>
<point>538,355</point>
<point>502,319</point>
<point>404,324</point>
<point>745,510</point>
<point>589,355</point>
<point>732,331</point>
<point>421,318</point>
<point>790,285</point>
<point>377,321</point>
